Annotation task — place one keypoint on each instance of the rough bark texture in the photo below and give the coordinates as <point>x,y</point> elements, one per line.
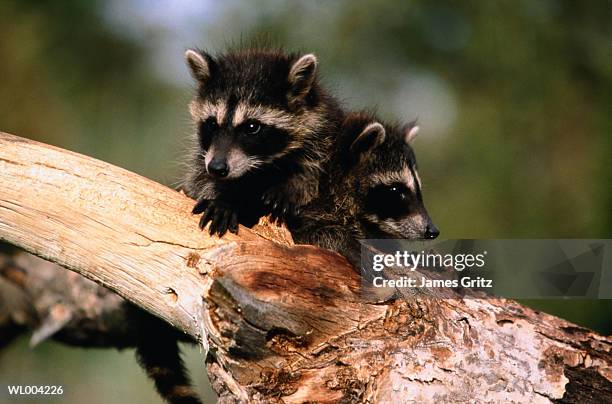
<point>284,323</point>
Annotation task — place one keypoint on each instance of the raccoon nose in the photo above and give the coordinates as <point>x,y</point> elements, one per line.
<point>431,231</point>
<point>218,168</point>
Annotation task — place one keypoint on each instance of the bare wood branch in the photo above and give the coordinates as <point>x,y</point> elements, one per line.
<point>284,322</point>
<point>52,302</point>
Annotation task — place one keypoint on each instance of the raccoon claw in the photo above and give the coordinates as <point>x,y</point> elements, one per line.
<point>220,215</point>
<point>200,206</point>
<point>206,217</point>
<point>233,224</point>
<point>267,198</point>
<point>279,206</point>
<point>281,211</point>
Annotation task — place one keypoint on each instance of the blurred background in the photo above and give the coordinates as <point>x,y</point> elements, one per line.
<point>514,99</point>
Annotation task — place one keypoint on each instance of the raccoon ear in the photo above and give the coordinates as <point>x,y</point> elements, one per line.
<point>410,132</point>
<point>370,137</point>
<point>199,65</point>
<point>301,76</point>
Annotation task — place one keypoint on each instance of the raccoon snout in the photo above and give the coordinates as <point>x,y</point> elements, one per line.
<point>431,231</point>
<point>218,168</point>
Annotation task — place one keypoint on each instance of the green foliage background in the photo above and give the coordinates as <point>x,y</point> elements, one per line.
<point>514,99</point>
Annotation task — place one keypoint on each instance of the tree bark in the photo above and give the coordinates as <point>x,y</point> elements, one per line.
<point>284,323</point>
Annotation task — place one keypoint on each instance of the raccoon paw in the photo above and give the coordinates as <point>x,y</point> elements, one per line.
<point>220,215</point>
<point>279,206</point>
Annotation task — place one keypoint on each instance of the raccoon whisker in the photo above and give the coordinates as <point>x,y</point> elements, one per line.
<point>254,166</point>
<point>254,163</point>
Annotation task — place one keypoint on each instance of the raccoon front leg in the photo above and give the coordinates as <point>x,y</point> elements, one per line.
<point>279,204</point>
<point>221,215</point>
<point>284,201</point>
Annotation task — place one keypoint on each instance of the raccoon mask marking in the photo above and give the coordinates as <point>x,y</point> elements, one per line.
<point>232,148</point>
<point>264,126</point>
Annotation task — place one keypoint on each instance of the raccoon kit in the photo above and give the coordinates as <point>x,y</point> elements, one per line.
<point>264,128</point>
<point>371,190</point>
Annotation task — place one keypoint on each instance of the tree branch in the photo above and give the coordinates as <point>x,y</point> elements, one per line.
<point>283,322</point>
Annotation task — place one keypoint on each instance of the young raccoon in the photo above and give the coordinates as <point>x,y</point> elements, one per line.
<point>371,190</point>
<point>264,128</point>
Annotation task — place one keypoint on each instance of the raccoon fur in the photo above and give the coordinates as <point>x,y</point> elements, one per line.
<point>371,190</point>
<point>264,128</point>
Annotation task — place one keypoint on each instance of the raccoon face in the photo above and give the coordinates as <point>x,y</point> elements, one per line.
<point>230,150</point>
<point>389,185</point>
<point>252,108</point>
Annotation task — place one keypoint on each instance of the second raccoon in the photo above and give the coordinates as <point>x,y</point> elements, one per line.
<point>372,190</point>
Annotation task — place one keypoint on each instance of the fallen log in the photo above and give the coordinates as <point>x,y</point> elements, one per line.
<point>280,322</point>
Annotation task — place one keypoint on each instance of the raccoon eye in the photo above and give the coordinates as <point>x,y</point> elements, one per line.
<point>398,192</point>
<point>251,128</point>
<point>388,201</point>
<point>209,125</point>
